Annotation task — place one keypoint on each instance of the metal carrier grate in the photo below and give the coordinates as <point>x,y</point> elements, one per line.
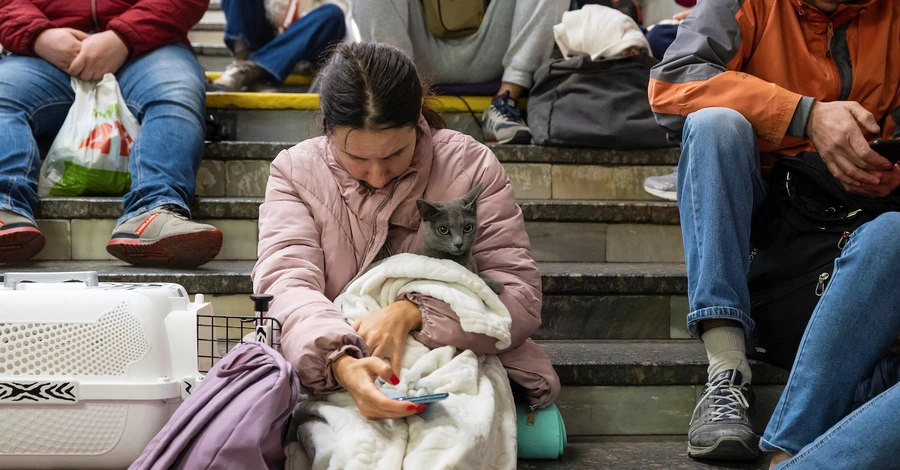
<point>219,334</point>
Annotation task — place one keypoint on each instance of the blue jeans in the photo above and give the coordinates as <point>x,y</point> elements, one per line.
<point>719,189</point>
<point>852,328</point>
<point>304,40</point>
<point>164,89</point>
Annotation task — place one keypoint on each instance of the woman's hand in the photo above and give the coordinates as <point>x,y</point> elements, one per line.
<point>100,54</point>
<point>357,376</point>
<point>59,46</point>
<point>385,331</point>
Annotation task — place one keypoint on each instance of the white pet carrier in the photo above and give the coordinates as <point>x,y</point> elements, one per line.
<point>90,372</point>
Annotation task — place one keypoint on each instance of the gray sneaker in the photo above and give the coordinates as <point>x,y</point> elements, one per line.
<point>163,237</point>
<point>241,75</point>
<point>20,238</point>
<point>664,186</point>
<point>720,427</point>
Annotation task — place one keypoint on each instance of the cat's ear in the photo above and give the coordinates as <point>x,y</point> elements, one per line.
<point>429,211</point>
<point>470,200</point>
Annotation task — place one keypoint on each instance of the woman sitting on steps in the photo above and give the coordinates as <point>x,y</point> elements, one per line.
<point>338,203</point>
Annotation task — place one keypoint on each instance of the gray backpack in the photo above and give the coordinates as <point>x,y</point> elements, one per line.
<point>583,103</point>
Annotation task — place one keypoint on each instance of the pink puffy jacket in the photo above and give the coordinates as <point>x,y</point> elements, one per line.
<point>319,228</point>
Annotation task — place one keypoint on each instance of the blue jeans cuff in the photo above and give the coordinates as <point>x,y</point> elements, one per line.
<point>150,207</point>
<point>710,313</point>
<point>23,213</point>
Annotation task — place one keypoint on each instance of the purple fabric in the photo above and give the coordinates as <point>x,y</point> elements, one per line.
<point>234,419</point>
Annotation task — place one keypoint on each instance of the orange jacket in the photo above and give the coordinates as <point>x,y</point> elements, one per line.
<point>759,57</point>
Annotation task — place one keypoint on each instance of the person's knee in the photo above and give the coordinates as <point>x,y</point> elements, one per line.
<point>879,238</point>
<point>331,13</point>
<point>723,121</point>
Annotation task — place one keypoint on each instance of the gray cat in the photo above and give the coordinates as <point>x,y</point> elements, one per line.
<point>451,228</point>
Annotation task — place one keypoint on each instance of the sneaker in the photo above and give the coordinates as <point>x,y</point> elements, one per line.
<point>503,124</point>
<point>664,186</point>
<point>720,427</point>
<point>163,237</point>
<point>240,75</point>
<point>20,238</point>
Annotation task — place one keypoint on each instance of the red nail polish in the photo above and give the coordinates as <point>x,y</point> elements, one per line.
<point>395,380</point>
<point>411,408</point>
<point>420,408</point>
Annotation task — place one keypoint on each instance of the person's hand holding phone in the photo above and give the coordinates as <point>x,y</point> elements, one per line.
<point>834,128</point>
<point>358,376</point>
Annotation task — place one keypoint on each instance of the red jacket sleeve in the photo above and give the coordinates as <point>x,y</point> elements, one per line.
<point>20,24</point>
<point>151,24</point>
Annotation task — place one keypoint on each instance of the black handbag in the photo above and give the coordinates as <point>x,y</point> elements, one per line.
<point>801,228</point>
<point>602,103</point>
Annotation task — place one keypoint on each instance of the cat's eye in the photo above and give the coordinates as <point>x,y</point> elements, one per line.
<point>468,228</point>
<point>443,230</point>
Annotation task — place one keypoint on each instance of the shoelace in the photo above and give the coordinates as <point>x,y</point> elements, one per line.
<point>508,110</point>
<point>728,399</point>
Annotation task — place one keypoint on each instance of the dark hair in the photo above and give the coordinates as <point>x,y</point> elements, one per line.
<point>373,86</point>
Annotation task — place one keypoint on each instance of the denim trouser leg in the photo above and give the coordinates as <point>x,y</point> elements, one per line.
<point>304,40</point>
<point>165,90</point>
<point>719,189</point>
<point>246,20</point>
<point>851,329</point>
<point>35,98</point>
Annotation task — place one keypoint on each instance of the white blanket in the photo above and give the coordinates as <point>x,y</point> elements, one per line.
<point>600,31</point>
<point>474,428</point>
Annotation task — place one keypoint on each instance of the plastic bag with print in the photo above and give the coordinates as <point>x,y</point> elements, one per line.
<point>89,156</point>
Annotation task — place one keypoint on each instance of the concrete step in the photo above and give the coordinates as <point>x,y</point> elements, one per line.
<point>633,453</point>
<point>536,172</point>
<point>241,169</point>
<point>585,301</point>
<point>559,230</point>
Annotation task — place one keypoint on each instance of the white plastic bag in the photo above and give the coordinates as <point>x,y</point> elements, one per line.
<point>90,154</point>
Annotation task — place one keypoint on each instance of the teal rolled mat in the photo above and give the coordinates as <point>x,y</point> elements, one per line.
<point>541,436</point>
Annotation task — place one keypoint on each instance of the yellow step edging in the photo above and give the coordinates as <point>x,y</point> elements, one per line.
<point>310,102</point>
<point>291,79</point>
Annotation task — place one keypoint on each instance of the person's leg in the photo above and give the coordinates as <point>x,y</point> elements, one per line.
<point>531,40</point>
<point>164,89</point>
<point>660,37</point>
<point>852,328</point>
<point>35,98</point>
<point>867,438</point>
<point>246,25</point>
<point>305,40</point>
<point>719,188</point>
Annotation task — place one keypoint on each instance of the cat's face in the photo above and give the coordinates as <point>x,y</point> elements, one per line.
<point>451,226</point>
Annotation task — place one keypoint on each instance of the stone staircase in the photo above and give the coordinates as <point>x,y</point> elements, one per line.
<point>610,257</point>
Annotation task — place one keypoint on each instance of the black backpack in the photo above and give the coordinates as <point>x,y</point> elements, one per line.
<point>801,228</point>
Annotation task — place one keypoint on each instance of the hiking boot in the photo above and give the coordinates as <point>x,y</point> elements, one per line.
<point>664,186</point>
<point>163,237</point>
<point>503,124</point>
<point>720,428</point>
<point>20,238</point>
<point>240,75</point>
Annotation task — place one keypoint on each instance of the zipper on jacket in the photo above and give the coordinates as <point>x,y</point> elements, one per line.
<point>830,36</point>
<point>375,220</point>
<point>94,14</point>
<point>820,286</point>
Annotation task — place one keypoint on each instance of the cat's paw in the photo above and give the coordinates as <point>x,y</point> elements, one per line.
<point>495,286</point>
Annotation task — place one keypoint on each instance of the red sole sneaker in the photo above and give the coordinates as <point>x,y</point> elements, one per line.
<point>20,244</point>
<point>187,250</point>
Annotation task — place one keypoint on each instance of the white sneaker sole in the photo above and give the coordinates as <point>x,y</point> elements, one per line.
<point>667,195</point>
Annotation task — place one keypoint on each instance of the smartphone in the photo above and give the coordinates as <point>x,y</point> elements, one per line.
<point>889,149</point>
<point>425,399</point>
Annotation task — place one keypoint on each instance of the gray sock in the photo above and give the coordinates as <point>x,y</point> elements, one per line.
<point>725,350</point>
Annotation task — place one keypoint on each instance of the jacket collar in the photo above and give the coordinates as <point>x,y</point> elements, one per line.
<point>844,13</point>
